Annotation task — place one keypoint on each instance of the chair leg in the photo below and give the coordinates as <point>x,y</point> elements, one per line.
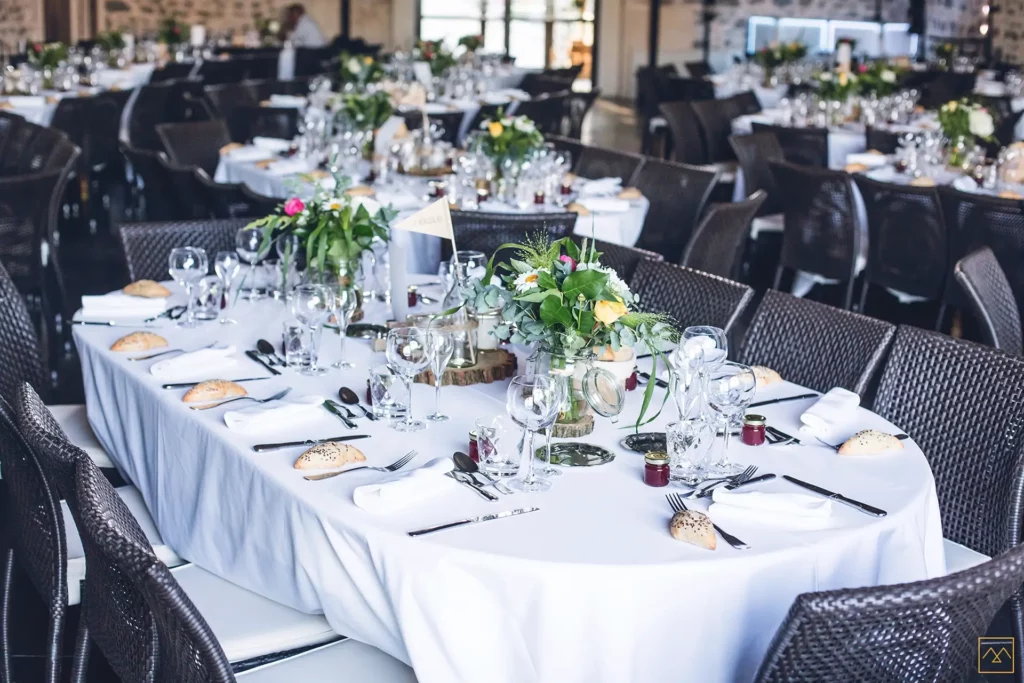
<point>81,660</point>
<point>848,303</point>
<point>778,278</point>
<point>863,298</point>
<point>941,317</point>
<point>5,606</point>
<point>56,636</point>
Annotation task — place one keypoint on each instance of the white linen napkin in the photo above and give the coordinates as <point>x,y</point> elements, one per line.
<point>601,187</point>
<point>605,205</point>
<point>406,489</point>
<point>121,305</point>
<point>289,101</point>
<point>965,184</point>
<point>248,154</point>
<point>830,411</point>
<point>271,144</point>
<point>869,160</point>
<point>202,364</point>
<point>798,511</point>
<point>270,417</point>
<point>289,166</point>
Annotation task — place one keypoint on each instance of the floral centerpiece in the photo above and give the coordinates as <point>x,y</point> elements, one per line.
<point>360,70</point>
<point>47,55</point>
<point>367,111</point>
<point>945,53</point>
<point>268,29</point>
<point>508,140</point>
<point>434,53</point>
<point>776,54</point>
<point>878,79</point>
<point>472,43</point>
<point>837,86</point>
<point>962,123</point>
<point>112,43</point>
<point>172,32</point>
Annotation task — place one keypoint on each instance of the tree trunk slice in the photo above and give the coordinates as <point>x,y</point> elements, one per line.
<point>574,430</point>
<point>491,366</point>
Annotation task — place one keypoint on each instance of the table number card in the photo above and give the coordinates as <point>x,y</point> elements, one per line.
<point>435,219</point>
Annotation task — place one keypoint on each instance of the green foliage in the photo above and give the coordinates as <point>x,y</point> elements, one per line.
<point>367,111</point>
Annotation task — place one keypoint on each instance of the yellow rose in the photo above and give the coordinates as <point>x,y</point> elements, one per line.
<point>844,78</point>
<point>952,105</point>
<point>609,311</point>
<point>495,128</point>
<point>367,60</point>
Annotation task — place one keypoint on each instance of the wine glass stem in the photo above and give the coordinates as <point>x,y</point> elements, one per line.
<point>189,320</point>
<point>342,330</point>
<point>314,347</point>
<point>528,454</point>
<point>548,432</point>
<point>408,390</point>
<point>437,395</point>
<point>724,460</point>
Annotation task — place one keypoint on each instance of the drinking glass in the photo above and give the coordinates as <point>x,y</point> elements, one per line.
<point>187,265</point>
<point>387,395</point>
<point>711,340</point>
<point>408,355</point>
<point>687,363</point>
<point>312,306</point>
<point>689,444</point>
<point>296,347</point>
<point>440,346</point>
<point>209,297</point>
<point>226,264</point>
<point>472,263</point>
<point>533,402</point>
<point>495,456</point>
<point>730,389</point>
<point>249,244</point>
<point>345,302</point>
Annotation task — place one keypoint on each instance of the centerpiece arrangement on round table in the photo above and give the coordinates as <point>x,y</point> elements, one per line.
<point>777,54</point>
<point>962,124</point>
<point>366,112</point>
<point>507,142</point>
<point>360,70</point>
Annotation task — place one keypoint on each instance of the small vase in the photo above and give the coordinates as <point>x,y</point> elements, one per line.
<point>958,151</point>
<point>770,79</point>
<point>570,368</point>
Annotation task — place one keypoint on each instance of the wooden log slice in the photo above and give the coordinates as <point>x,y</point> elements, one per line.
<point>491,366</point>
<point>574,430</point>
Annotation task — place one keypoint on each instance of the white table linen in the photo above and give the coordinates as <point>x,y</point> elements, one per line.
<point>841,141</point>
<point>570,593</point>
<point>126,79</point>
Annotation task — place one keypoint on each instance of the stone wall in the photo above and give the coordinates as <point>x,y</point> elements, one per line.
<point>20,19</point>
<point>1008,40</point>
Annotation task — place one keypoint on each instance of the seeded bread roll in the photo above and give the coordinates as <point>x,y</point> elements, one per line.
<point>630,193</point>
<point>329,455</point>
<point>139,341</point>
<point>765,375</point>
<point>922,182</point>
<point>213,390</point>
<point>871,442</point>
<point>578,208</point>
<point>230,147</point>
<point>148,289</point>
<point>693,527</point>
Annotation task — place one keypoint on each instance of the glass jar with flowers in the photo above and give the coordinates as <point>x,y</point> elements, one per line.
<point>367,112</point>
<point>964,122</point>
<point>472,43</point>
<point>360,70</point>
<point>507,142</point>
<point>47,57</point>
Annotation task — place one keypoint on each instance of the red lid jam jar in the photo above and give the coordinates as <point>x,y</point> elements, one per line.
<point>413,297</point>
<point>566,188</point>
<point>656,469</point>
<point>474,446</point>
<point>538,197</point>
<point>631,382</point>
<point>753,429</point>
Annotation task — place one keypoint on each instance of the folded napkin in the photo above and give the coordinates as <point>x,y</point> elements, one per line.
<point>830,411</point>
<point>784,510</point>
<point>202,364</point>
<point>601,186</point>
<point>439,107</point>
<point>882,173</point>
<point>246,154</point>
<point>867,159</point>
<point>271,144</point>
<point>270,417</point>
<point>295,101</point>
<point>965,184</point>
<point>288,167</point>
<point>120,305</point>
<point>406,489</point>
<point>604,204</point>
<point>26,100</point>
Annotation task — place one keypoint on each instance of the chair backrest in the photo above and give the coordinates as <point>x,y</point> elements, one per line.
<point>677,194</point>
<point>189,195</point>
<point>19,137</point>
<point>546,111</point>
<point>74,117</point>
<point>56,455</point>
<point>719,242</point>
<point>754,152</point>
<point>804,146</point>
<point>836,348</point>
<point>689,297</point>
<point>598,162</point>
<point>194,144</point>
<point>975,445</point>
<point>623,260</point>
<point>218,72</point>
<point>225,101</point>
<point>922,631</point>
<point>148,108</point>
<point>991,299</point>
<point>881,140</point>
<point>487,231</point>
<point>687,144</point>
<point>698,69</point>
<point>48,150</point>
<point>28,214</point>
<point>713,117</point>
<point>105,126</point>
<point>158,191</point>
<point>746,103</point>
<point>577,107</point>
<point>907,245</point>
<point>147,245</point>
<point>8,124</point>
<point>21,360</point>
<point>226,200</point>
<point>171,71</point>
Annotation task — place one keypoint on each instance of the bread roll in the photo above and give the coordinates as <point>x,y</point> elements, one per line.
<point>693,527</point>
<point>329,455</point>
<point>360,191</point>
<point>213,390</point>
<point>922,182</point>
<point>1010,194</point>
<point>148,289</point>
<point>230,147</point>
<point>765,376</point>
<point>856,168</point>
<point>630,193</point>
<point>871,442</point>
<point>578,208</point>
<point>139,341</point>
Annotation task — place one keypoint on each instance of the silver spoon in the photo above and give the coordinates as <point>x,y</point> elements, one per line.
<point>466,464</point>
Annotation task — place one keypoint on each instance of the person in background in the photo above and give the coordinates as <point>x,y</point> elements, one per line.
<point>301,29</point>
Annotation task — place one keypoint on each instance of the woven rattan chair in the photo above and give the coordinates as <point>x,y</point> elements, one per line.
<point>836,349</point>
<point>689,297</point>
<point>991,299</point>
<point>228,71</point>
<point>678,194</point>
<point>755,152</point>
<point>546,111</point>
<point>804,146</point>
<point>598,162</point>
<point>19,136</point>
<point>189,195</point>
<point>28,214</point>
<point>227,200</point>
<point>576,109</point>
<point>687,145</point>
<point>623,260</point>
<point>149,106</point>
<point>8,124</point>
<point>153,184</point>
<point>881,140</point>
<point>487,231</point>
<point>146,245</point>
<point>746,103</point>
<point>923,631</point>
<point>49,150</point>
<point>820,235</point>
<point>268,122</point>
<point>698,69</point>
<point>230,101</point>
<point>715,121</point>
<point>195,144</point>
<point>718,243</point>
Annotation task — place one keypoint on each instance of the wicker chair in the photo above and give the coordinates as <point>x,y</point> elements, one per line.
<point>230,101</point>
<point>150,106</point>
<point>715,121</point>
<point>804,146</point>
<point>218,72</point>
<point>156,189</point>
<point>28,215</point>
<point>880,140</point>
<point>991,299</point>
<point>546,111</point>
<point>820,234</point>
<point>146,245</point>
<point>923,631</point>
<point>19,135</point>
<point>678,194</point>
<point>189,195</point>
<point>689,297</point>
<point>194,144</point>
<point>698,69</point>
<point>836,348</point>
<point>9,123</point>
<point>268,122</point>
<point>487,231</point>
<point>718,243</point>
<point>746,103</point>
<point>49,150</point>
<point>623,260</point>
<point>227,200</point>
<point>577,107</point>
<point>598,162</point>
<point>173,70</point>
<point>687,145</point>
<point>755,152</point>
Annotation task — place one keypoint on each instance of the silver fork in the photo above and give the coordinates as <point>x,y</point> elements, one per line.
<point>734,479</point>
<point>393,467</point>
<point>676,501</point>
<point>164,353</point>
<point>280,394</point>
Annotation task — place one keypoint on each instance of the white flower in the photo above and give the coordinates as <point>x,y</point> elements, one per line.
<point>888,76</point>
<point>274,26</point>
<point>524,125</point>
<point>371,204</point>
<point>353,65</point>
<point>527,281</point>
<point>981,123</point>
<point>825,76</point>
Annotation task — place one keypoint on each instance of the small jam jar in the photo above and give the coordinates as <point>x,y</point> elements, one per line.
<point>753,429</point>
<point>631,382</point>
<point>566,187</point>
<point>656,468</point>
<point>538,197</point>
<point>474,446</point>
<point>413,297</point>
<point>369,394</point>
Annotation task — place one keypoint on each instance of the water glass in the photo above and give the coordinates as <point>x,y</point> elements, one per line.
<point>209,298</point>
<point>296,345</point>
<point>187,265</point>
<point>227,264</point>
<point>688,443</point>
<point>388,393</point>
<point>312,306</point>
<point>493,445</point>
<point>729,390</point>
<point>533,403</point>
<point>407,353</point>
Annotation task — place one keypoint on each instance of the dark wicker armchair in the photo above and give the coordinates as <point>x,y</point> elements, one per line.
<point>677,194</point>
<point>804,146</point>
<point>486,232</point>
<point>755,152</point>
<point>718,243</point>
<point>991,299</point>
<point>715,122</point>
<point>687,143</point>
<point>146,245</point>
<point>597,162</point>
<point>195,144</point>
<point>623,260</point>
<point>689,297</point>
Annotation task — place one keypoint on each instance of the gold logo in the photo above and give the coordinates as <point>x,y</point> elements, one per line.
<point>995,655</point>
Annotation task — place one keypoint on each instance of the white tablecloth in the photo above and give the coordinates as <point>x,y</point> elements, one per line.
<point>727,86</point>
<point>509,99</point>
<point>125,79</point>
<point>841,141</point>
<point>592,588</point>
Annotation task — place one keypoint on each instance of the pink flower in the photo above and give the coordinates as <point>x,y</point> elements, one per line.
<point>863,68</point>
<point>565,258</point>
<point>293,206</point>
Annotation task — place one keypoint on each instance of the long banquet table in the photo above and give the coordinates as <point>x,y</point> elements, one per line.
<point>591,588</point>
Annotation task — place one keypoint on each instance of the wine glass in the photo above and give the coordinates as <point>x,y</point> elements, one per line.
<point>187,265</point>
<point>533,402</point>
<point>227,264</point>
<point>251,248</point>
<point>407,352</point>
<point>711,339</point>
<point>730,389</point>
<point>287,250</point>
<point>345,302</point>
<point>687,363</point>
<point>440,346</point>
<point>312,306</point>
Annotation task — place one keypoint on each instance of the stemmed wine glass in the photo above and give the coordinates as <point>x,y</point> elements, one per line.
<point>440,346</point>
<point>711,340</point>
<point>344,306</point>
<point>533,402</point>
<point>187,265</point>
<point>312,306</point>
<point>227,264</point>
<point>408,354</point>
<point>730,389</point>
<point>249,244</point>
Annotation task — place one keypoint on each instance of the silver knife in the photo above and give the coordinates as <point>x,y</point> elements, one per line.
<point>839,498</point>
<point>264,447</point>
<point>731,487</point>
<point>784,399</point>
<point>473,520</point>
<point>187,385</point>
<point>111,323</point>
<point>467,481</point>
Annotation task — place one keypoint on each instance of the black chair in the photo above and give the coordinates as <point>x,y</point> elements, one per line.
<point>74,118</point>
<point>226,200</point>
<point>231,102</point>
<point>755,152</point>
<point>922,631</point>
<point>218,72</point>
<point>687,145</point>
<point>715,121</point>
<point>623,260</point>
<point>153,184</point>
<point>194,144</point>
<point>573,147</point>
<point>678,194</point>
<point>837,348</point>
<point>19,139</point>
<point>598,162</point>
<point>150,106</point>
<point>189,194</point>
<point>173,71</point>
<point>546,111</point>
<point>10,124</point>
<point>804,146</point>
<point>21,361</point>
<point>268,122</point>
<point>991,300</point>
<point>262,205</point>
<point>689,297</point>
<point>746,103</point>
<point>820,235</point>
<point>146,245</point>
<point>698,69</point>
<point>577,106</point>
<point>881,140</point>
<point>487,231</point>
<point>718,243</point>
<point>49,150</point>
